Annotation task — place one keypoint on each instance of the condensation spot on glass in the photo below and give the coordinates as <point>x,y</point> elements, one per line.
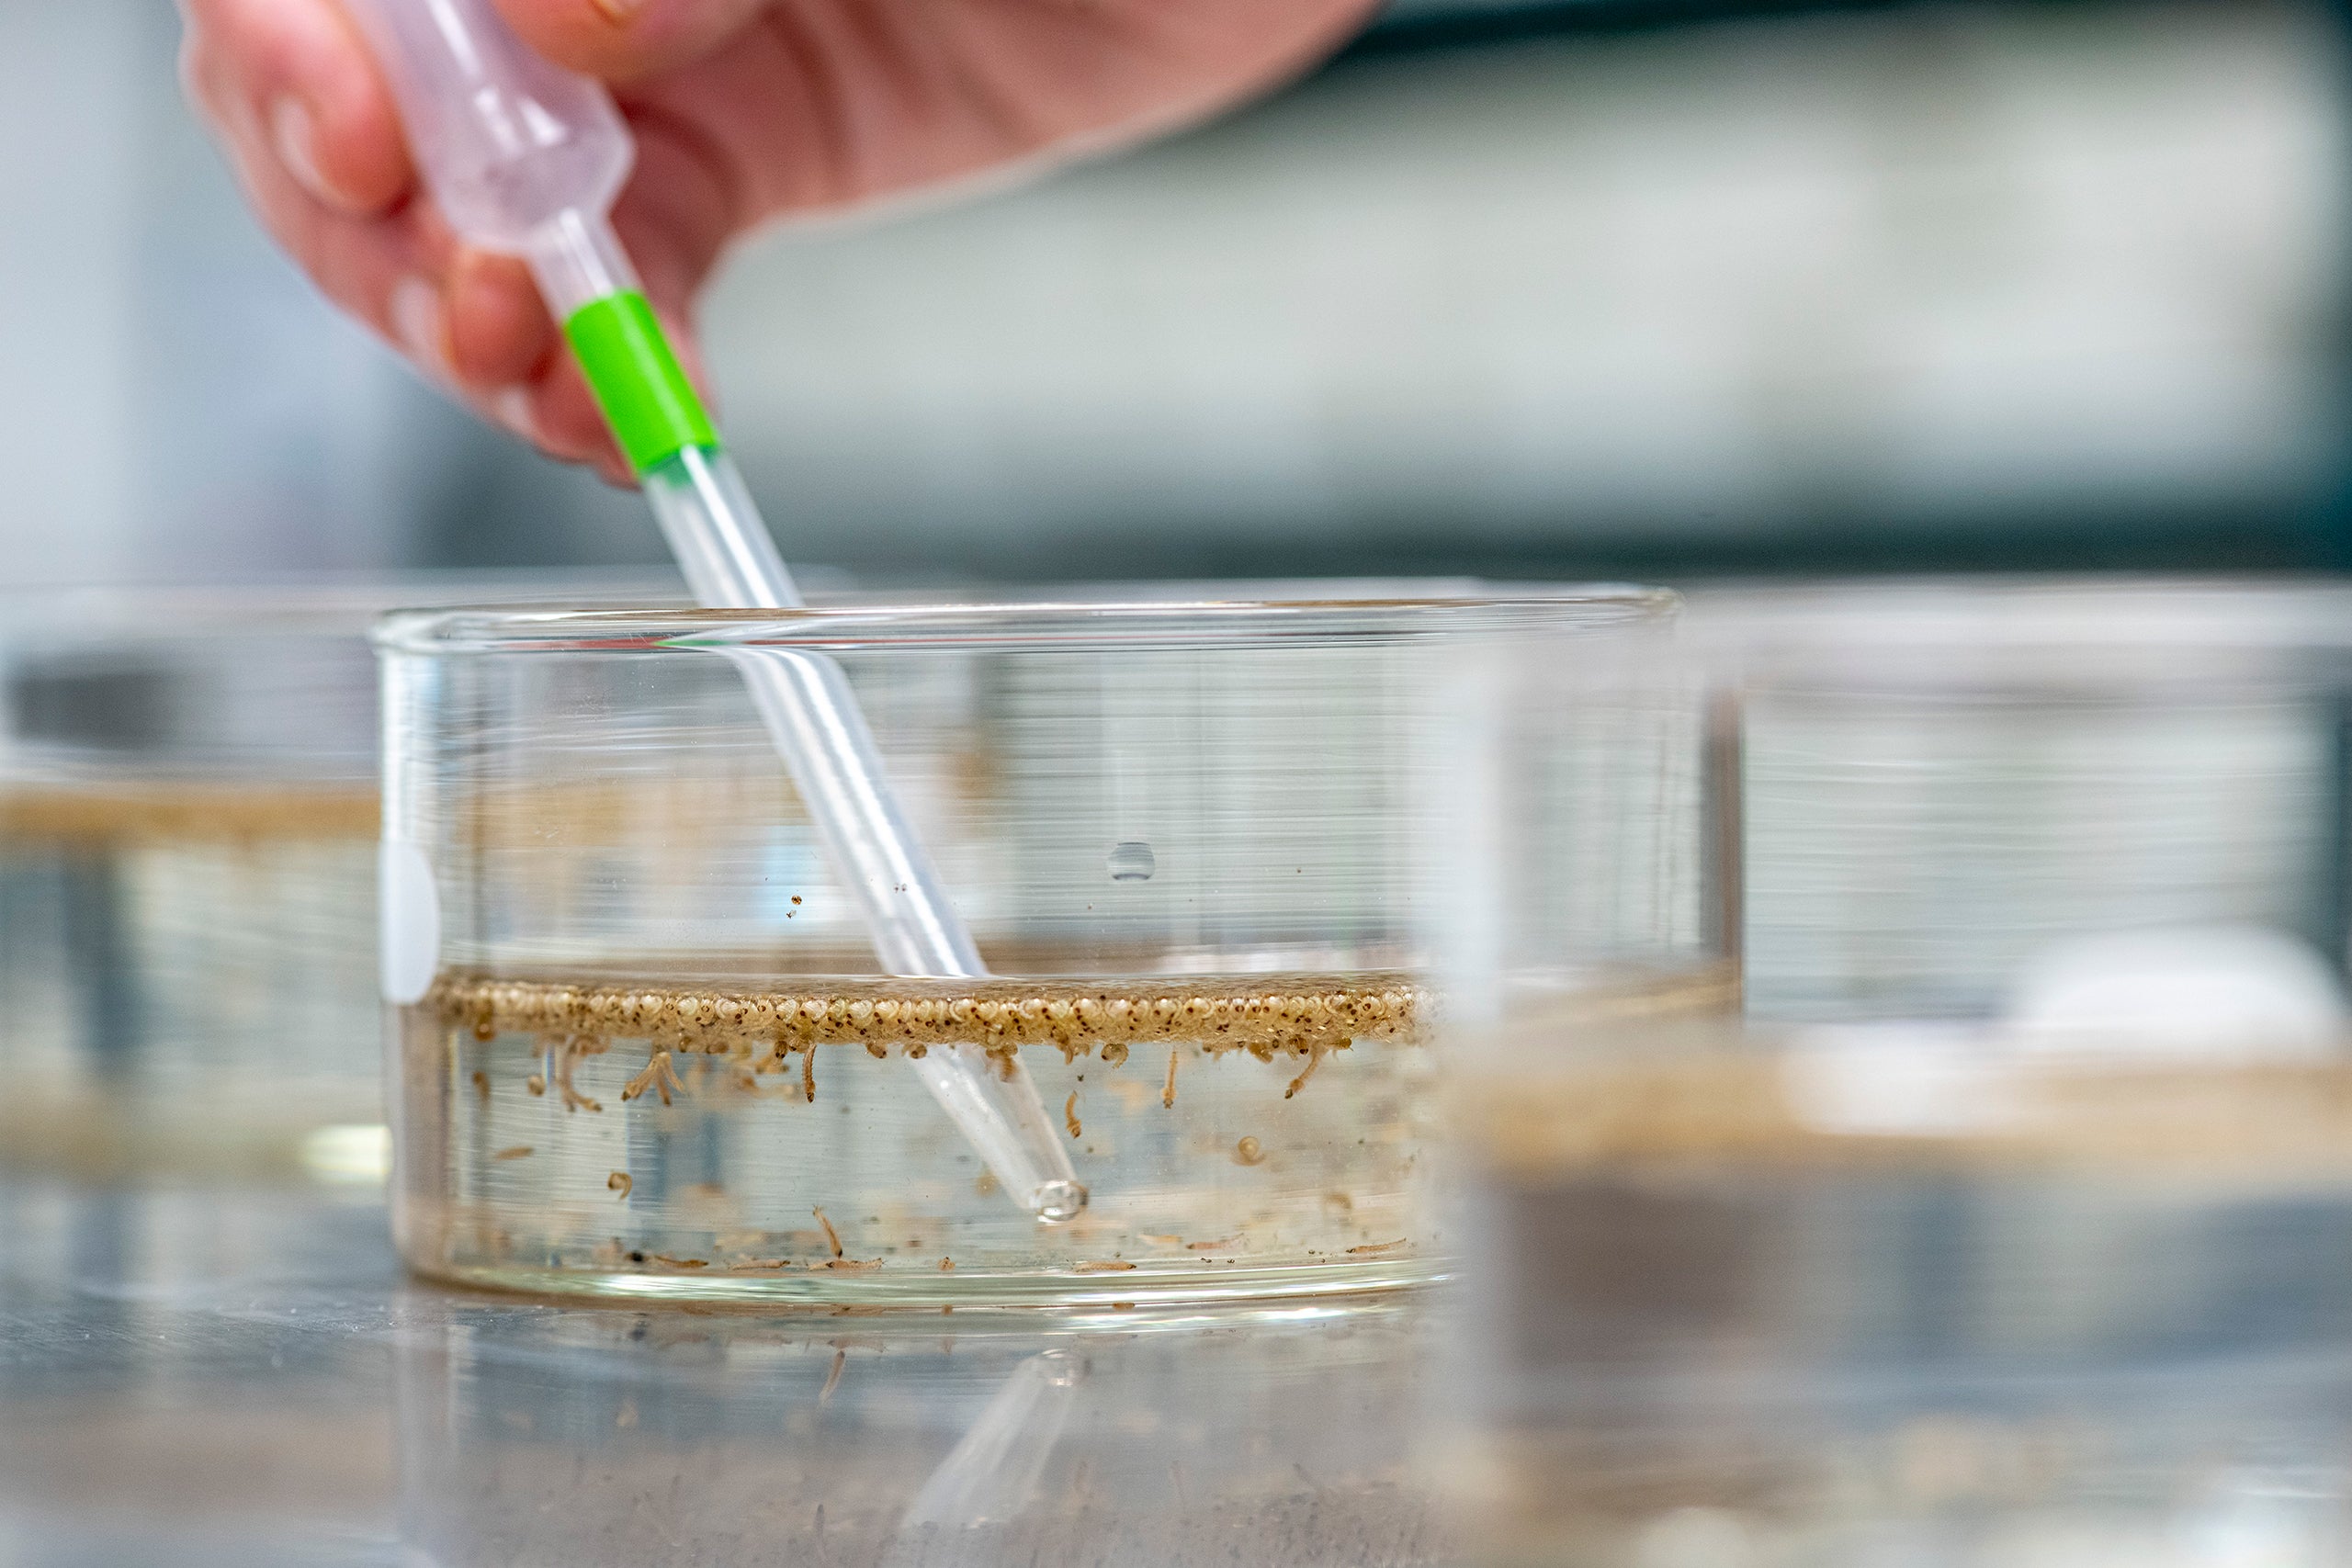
<point>1132,862</point>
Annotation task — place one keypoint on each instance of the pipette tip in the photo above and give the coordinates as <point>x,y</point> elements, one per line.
<point>1058,1202</point>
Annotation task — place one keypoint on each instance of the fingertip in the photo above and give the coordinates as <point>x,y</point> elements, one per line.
<point>295,75</point>
<point>359,143</point>
<point>570,425</point>
<point>418,317</point>
<point>293,132</point>
<point>511,407</point>
<point>499,331</point>
<point>358,152</point>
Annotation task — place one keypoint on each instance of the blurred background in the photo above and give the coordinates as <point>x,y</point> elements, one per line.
<point>1661,290</point>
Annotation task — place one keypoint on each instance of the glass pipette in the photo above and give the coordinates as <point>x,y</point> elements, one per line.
<point>526,159</point>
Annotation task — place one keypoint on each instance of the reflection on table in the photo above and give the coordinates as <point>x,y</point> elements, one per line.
<point>244,1377</point>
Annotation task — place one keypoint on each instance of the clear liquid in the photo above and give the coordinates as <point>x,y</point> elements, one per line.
<point>188,980</point>
<point>1240,1137</point>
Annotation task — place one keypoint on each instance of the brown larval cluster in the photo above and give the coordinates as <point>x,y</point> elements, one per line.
<point>1297,1016</point>
<point>208,813</point>
<point>1749,1113</point>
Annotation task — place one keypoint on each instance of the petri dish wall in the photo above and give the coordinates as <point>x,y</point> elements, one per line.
<point>189,820</point>
<point>2034,1140</point>
<point>641,1044</point>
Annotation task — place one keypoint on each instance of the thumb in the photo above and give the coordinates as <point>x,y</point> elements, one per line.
<point>621,40</point>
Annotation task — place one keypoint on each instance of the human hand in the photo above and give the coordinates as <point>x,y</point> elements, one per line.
<point>744,111</point>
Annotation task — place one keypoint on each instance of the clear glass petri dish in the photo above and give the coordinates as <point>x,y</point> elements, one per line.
<point>645,1050</point>
<point>189,820</point>
<point>2037,1136</point>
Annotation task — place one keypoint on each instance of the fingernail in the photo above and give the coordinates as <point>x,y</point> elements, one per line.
<point>512,408</point>
<point>415,309</point>
<point>291,127</point>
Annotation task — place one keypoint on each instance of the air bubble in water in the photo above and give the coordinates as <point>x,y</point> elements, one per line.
<point>1133,863</point>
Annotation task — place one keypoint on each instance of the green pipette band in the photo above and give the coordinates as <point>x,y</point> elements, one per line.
<point>646,396</point>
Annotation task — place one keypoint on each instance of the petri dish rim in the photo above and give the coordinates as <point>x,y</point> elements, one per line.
<point>2053,638</point>
<point>1060,625</point>
<point>329,606</point>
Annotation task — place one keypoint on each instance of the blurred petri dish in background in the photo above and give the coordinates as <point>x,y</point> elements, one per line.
<point>2032,1160</point>
<point>189,822</point>
<point>1947,781</point>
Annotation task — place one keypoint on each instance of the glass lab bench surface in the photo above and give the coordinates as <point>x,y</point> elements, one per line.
<point>244,1376</point>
